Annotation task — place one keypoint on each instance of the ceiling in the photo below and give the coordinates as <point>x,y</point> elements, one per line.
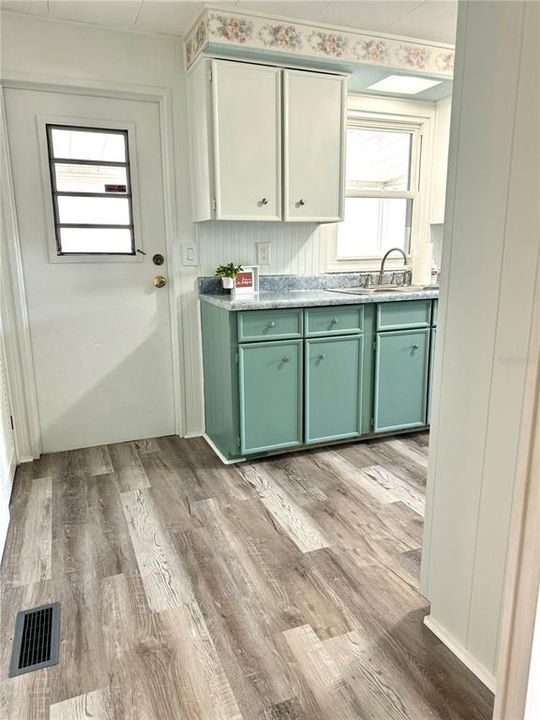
<point>433,20</point>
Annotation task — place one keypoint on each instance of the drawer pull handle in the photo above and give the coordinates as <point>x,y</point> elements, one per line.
<point>335,321</point>
<point>301,202</point>
<point>271,324</point>
<point>286,358</point>
<point>322,356</point>
<point>416,347</point>
<point>264,201</point>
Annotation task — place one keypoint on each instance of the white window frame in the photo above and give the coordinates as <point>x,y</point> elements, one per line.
<point>417,117</point>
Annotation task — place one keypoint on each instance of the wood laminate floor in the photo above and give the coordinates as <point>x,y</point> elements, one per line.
<point>283,588</point>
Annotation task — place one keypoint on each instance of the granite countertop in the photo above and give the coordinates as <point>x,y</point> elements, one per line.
<point>267,300</point>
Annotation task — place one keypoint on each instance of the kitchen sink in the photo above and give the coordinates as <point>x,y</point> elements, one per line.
<point>382,289</point>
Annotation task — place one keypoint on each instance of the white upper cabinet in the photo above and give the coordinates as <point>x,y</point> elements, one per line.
<point>313,137</point>
<point>247,141</point>
<point>236,118</point>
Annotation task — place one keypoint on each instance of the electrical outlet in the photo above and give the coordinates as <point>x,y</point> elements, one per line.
<point>190,254</point>
<point>263,253</point>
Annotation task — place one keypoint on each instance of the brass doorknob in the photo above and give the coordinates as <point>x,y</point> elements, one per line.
<point>160,281</point>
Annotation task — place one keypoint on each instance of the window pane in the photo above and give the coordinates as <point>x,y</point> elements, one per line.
<point>378,159</point>
<point>88,145</point>
<point>90,178</point>
<point>374,225</point>
<point>93,211</point>
<point>90,240</point>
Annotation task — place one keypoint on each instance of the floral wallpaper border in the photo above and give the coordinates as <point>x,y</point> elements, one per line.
<point>261,33</point>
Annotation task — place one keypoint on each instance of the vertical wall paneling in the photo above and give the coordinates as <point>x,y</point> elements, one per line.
<point>487,299</point>
<point>299,248</point>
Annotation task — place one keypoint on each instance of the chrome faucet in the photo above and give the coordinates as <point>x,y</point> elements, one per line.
<point>381,272</point>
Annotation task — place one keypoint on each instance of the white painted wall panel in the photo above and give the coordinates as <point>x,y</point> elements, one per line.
<point>295,249</point>
<point>532,711</point>
<point>485,323</point>
<point>440,159</point>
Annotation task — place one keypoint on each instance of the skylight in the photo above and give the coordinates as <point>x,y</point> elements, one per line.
<point>404,84</point>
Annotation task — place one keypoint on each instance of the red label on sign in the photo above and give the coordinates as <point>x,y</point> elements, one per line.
<point>244,280</point>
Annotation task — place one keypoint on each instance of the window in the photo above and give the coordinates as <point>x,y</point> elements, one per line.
<point>381,189</point>
<point>91,190</point>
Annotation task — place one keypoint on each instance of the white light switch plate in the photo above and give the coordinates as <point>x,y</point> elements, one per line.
<point>263,253</point>
<point>190,254</point>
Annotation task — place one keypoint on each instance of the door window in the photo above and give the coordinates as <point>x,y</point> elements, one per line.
<point>91,190</point>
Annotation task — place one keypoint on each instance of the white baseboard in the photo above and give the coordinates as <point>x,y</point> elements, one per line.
<point>461,653</point>
<point>220,455</point>
<point>194,434</point>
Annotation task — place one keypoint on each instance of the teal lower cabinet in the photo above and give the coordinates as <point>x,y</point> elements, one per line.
<point>431,368</point>
<point>401,379</point>
<point>333,388</point>
<point>270,384</point>
<point>282,379</point>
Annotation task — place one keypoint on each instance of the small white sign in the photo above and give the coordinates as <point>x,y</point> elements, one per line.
<point>246,283</point>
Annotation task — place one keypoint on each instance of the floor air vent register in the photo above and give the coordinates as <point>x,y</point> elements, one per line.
<point>36,639</point>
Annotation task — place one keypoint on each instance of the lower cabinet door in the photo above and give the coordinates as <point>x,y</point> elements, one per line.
<point>333,388</point>
<point>431,368</point>
<point>270,395</point>
<point>401,379</point>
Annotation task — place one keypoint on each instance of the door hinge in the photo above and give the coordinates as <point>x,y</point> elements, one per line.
<point>238,441</point>
<point>236,357</point>
<point>210,75</point>
<point>11,422</point>
<point>375,344</point>
<point>214,204</point>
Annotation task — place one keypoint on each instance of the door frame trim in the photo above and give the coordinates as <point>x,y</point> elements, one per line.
<point>21,370</point>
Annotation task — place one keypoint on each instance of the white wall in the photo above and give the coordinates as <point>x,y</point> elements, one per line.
<point>296,248</point>
<point>490,256</point>
<point>7,444</point>
<point>532,711</point>
<point>440,160</point>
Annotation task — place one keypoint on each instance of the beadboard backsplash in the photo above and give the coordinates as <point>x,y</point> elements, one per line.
<point>295,248</point>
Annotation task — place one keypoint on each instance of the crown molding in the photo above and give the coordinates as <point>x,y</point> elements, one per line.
<point>257,32</point>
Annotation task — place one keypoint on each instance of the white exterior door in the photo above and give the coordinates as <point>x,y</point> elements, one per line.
<point>100,329</point>
<point>247,138</point>
<point>314,107</point>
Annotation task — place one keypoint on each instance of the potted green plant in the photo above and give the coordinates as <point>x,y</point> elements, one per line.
<point>228,273</point>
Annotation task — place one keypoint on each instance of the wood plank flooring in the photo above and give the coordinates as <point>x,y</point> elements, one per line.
<point>282,588</point>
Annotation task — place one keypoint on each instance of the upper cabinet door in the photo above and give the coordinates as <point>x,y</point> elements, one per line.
<point>247,141</point>
<point>314,146</point>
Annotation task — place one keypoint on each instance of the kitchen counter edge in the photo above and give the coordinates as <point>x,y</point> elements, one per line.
<point>313,298</point>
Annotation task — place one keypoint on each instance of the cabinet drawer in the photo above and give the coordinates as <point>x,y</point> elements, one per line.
<point>342,320</point>
<point>269,324</point>
<point>403,314</point>
<point>435,315</point>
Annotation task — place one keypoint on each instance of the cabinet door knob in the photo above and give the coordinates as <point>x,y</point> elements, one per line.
<point>301,202</point>
<point>322,356</point>
<point>271,324</point>
<point>264,201</point>
<point>286,358</point>
<point>335,321</point>
<point>416,347</point>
